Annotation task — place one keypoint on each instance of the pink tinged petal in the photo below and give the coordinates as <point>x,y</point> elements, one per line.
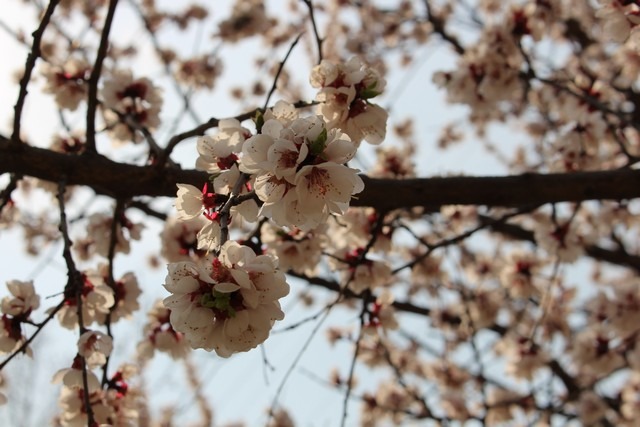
<point>189,201</point>
<point>251,297</point>
<point>248,210</point>
<point>358,184</point>
<point>254,153</point>
<point>199,317</point>
<point>185,285</point>
<point>235,326</point>
<point>270,189</point>
<point>226,287</point>
<point>233,253</point>
<point>284,111</point>
<point>272,128</point>
<point>372,123</point>
<point>209,236</point>
<point>340,149</point>
<point>262,263</point>
<point>242,278</point>
<point>267,314</point>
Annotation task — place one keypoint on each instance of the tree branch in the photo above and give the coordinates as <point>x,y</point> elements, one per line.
<point>28,69</point>
<point>618,257</point>
<point>124,181</point>
<point>92,103</point>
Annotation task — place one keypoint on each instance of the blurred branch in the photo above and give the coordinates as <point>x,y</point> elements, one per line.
<point>92,103</point>
<point>617,256</point>
<point>28,69</point>
<point>75,286</point>
<point>312,18</point>
<point>280,68</point>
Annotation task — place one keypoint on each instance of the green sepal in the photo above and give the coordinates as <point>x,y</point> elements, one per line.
<point>258,119</point>
<point>317,147</point>
<point>218,301</point>
<point>369,91</point>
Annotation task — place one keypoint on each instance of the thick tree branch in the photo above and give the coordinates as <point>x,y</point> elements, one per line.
<point>123,181</point>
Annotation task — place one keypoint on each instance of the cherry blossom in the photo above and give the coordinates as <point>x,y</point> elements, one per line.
<point>95,347</point>
<point>67,82</point>
<point>227,304</point>
<point>132,98</point>
<point>159,335</point>
<point>344,93</point>
<point>24,299</point>
<point>97,299</point>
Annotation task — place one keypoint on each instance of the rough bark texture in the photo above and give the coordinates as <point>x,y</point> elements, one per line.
<point>123,181</point>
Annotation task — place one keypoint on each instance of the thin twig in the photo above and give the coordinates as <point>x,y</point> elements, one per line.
<point>352,367</point>
<point>303,349</point>
<point>312,18</point>
<point>28,69</point>
<point>280,68</point>
<point>113,240</point>
<point>25,344</point>
<point>74,287</point>
<point>458,238</point>
<point>225,211</point>
<point>92,102</point>
<point>167,69</point>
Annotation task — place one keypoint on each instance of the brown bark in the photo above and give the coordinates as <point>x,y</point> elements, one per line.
<point>123,181</point>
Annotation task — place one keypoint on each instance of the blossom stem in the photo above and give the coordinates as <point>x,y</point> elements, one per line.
<point>225,212</point>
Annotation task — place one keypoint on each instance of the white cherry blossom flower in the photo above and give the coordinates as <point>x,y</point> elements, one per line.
<point>325,188</point>
<point>179,241</point>
<point>560,239</point>
<point>191,202</point>
<point>98,236</point>
<point>345,90</point>
<point>217,152</point>
<point>159,335</point>
<point>95,347</point>
<point>24,299</point>
<point>227,304</point>
<point>135,99</point>
<point>67,82</point>
<point>97,300</point>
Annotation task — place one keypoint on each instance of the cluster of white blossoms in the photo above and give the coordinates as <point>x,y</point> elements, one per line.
<point>227,303</point>
<point>345,90</point>
<point>114,404</point>
<point>299,168</point>
<point>294,171</point>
